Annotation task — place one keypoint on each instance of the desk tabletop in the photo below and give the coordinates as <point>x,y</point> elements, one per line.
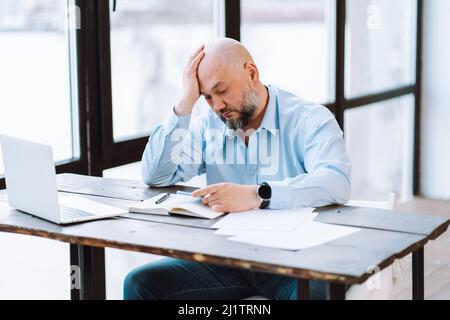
<point>385,235</point>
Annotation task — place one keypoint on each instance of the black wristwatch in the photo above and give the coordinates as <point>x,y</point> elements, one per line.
<point>264,193</point>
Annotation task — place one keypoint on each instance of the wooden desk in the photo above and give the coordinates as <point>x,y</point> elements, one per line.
<point>385,236</point>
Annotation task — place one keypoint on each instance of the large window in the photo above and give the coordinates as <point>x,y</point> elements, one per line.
<point>292,43</point>
<point>380,45</point>
<point>381,96</point>
<point>380,141</point>
<point>38,96</point>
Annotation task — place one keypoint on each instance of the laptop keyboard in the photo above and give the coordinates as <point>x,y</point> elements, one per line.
<point>71,214</point>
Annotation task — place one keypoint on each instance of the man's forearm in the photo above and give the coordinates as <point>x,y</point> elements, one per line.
<point>322,188</point>
<point>158,167</point>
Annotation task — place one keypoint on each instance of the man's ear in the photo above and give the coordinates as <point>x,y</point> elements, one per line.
<point>252,70</point>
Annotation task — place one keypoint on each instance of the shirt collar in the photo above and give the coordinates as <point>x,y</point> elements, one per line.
<point>269,122</point>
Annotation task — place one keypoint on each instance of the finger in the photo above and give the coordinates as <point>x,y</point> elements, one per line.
<point>205,201</point>
<point>218,208</point>
<point>205,191</point>
<point>213,198</point>
<point>195,62</point>
<point>212,203</point>
<point>197,51</point>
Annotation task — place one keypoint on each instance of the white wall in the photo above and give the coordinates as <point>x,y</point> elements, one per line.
<point>435,165</point>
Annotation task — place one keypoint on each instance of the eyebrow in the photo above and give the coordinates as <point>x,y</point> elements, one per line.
<point>215,87</point>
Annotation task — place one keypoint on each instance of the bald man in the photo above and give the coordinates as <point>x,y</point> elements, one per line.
<point>260,147</point>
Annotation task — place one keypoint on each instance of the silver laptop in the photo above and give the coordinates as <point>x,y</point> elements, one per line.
<point>31,185</point>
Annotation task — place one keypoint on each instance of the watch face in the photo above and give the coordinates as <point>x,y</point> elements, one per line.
<point>265,192</point>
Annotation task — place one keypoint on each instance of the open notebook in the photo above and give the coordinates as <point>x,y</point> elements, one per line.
<point>176,204</point>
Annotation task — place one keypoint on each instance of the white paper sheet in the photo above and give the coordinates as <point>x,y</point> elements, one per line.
<point>230,231</point>
<point>270,220</point>
<point>309,234</point>
<point>90,206</point>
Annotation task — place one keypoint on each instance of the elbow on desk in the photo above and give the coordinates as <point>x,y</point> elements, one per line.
<point>155,182</point>
<point>152,179</point>
<point>339,184</point>
<point>150,174</point>
<point>343,191</point>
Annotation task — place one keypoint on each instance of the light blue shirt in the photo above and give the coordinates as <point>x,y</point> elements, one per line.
<point>298,149</point>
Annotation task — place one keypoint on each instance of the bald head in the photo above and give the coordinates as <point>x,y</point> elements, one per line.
<point>224,53</point>
<point>225,60</point>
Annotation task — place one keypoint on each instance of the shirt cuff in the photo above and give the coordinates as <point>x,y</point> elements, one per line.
<point>281,195</point>
<point>176,122</point>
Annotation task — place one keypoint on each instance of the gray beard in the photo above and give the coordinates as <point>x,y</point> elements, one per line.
<point>248,109</point>
<point>245,115</point>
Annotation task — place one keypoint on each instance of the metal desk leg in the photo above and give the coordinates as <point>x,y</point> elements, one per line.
<point>91,263</point>
<point>336,291</point>
<point>302,289</point>
<point>418,274</point>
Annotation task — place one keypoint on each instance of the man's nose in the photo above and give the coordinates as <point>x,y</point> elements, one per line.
<point>218,105</point>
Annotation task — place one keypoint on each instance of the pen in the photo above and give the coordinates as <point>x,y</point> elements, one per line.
<point>163,198</point>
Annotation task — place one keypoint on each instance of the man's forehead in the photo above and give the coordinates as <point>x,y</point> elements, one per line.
<point>211,71</point>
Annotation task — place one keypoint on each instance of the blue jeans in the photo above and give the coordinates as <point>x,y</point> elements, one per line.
<point>177,279</point>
